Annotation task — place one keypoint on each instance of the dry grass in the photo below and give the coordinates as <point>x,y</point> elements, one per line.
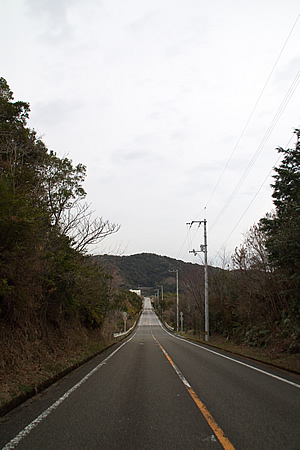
<point>273,356</point>
<point>29,362</point>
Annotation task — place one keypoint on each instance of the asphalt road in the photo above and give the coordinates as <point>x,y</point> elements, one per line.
<point>157,391</point>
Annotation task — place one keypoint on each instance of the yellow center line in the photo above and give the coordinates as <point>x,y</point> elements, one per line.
<point>224,441</point>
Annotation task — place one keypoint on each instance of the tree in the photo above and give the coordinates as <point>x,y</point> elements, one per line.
<point>83,228</point>
<point>45,229</point>
<point>282,228</point>
<point>62,185</point>
<point>192,301</point>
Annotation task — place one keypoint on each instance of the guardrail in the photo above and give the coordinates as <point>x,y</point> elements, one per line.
<point>116,335</point>
<point>169,327</point>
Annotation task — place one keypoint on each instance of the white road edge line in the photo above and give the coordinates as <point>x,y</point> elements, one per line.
<point>19,437</point>
<point>231,359</point>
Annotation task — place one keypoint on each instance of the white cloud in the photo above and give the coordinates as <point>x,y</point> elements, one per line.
<point>154,98</point>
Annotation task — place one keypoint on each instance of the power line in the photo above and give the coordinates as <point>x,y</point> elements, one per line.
<point>261,146</point>
<point>256,194</point>
<point>189,238</point>
<point>282,106</point>
<point>253,110</point>
<point>183,245</point>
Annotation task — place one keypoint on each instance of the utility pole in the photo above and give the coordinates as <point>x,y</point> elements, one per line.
<point>162,302</point>
<point>177,300</point>
<point>157,297</point>
<point>203,248</point>
<point>125,320</point>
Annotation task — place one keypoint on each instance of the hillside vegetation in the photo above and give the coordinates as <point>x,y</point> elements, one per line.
<point>251,302</point>
<point>256,300</point>
<point>145,270</point>
<point>56,304</point>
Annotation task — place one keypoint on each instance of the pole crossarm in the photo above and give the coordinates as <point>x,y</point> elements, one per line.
<point>196,221</point>
<point>202,249</point>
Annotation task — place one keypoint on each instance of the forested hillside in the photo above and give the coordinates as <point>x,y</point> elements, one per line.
<point>146,270</point>
<point>54,301</point>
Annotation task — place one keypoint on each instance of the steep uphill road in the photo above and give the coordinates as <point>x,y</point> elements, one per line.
<point>157,391</point>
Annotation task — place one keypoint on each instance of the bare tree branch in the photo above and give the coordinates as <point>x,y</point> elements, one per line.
<point>84,230</point>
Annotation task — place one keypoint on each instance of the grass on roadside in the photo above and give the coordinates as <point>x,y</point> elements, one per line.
<point>286,361</point>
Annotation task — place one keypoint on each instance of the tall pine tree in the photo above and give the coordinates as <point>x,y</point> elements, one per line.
<point>283,227</point>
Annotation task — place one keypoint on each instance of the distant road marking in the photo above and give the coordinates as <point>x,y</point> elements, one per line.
<point>17,439</point>
<point>232,359</point>
<point>226,444</point>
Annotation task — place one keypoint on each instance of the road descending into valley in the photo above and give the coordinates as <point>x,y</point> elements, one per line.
<point>158,391</point>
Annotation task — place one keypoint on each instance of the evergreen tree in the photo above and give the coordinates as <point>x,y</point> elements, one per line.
<point>282,228</point>
<point>44,230</point>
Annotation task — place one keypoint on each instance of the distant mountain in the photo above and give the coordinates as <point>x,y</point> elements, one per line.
<point>145,270</point>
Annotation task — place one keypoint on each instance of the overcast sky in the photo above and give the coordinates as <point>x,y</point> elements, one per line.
<point>173,106</point>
